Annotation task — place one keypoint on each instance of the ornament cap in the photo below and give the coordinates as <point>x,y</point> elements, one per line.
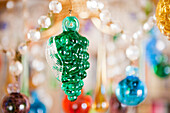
<point>132,71</point>
<point>70,23</point>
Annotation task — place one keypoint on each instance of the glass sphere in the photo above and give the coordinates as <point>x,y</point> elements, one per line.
<point>55,6</point>
<point>162,16</point>
<point>22,48</point>
<point>10,53</point>
<point>162,70</point>
<point>132,71</point>
<point>37,106</point>
<point>116,106</point>
<point>15,103</point>
<point>70,23</point>
<point>44,21</point>
<point>81,105</point>
<point>132,52</point>
<point>115,27</point>
<point>15,68</point>
<point>105,16</point>
<point>13,88</point>
<point>131,91</point>
<point>33,35</point>
<point>91,4</point>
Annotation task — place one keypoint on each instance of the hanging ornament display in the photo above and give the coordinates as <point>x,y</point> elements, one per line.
<point>131,91</point>
<point>162,17</point>
<point>36,105</point>
<point>100,103</point>
<point>81,105</point>
<point>15,103</point>
<point>116,106</point>
<point>67,55</point>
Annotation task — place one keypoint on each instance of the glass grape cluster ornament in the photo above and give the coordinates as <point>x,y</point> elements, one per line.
<point>67,55</point>
<point>131,91</point>
<point>162,17</point>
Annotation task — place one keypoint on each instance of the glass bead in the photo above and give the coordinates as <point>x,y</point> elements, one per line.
<point>100,5</point>
<point>37,106</point>
<point>116,106</point>
<point>10,53</point>
<point>132,71</point>
<point>115,27</point>
<point>13,88</point>
<point>132,52</point>
<point>67,56</point>
<point>70,23</point>
<point>33,35</point>
<point>22,48</point>
<point>15,103</point>
<point>44,22</point>
<point>92,4</point>
<point>55,6</point>
<point>15,68</point>
<point>105,16</point>
<point>10,4</point>
<point>160,45</point>
<point>163,17</point>
<point>131,91</point>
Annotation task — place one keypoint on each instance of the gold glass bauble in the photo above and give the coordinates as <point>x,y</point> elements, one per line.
<point>163,17</point>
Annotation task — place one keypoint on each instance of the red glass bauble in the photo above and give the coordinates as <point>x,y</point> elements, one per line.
<point>81,105</point>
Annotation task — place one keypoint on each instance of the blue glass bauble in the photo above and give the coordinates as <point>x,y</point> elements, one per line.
<point>131,91</point>
<point>37,106</point>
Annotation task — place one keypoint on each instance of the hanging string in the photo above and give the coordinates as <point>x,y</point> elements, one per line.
<point>70,10</point>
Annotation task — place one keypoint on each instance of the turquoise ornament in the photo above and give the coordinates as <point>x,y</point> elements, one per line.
<point>37,106</point>
<point>68,57</point>
<point>131,91</point>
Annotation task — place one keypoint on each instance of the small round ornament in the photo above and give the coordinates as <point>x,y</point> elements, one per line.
<point>131,91</point>
<point>15,68</point>
<point>33,35</point>
<point>132,52</point>
<point>36,105</point>
<point>162,69</point>
<point>81,105</point>
<point>44,21</point>
<point>116,106</point>
<point>162,17</point>
<point>15,103</point>
<point>14,87</point>
<point>55,6</point>
<point>67,55</point>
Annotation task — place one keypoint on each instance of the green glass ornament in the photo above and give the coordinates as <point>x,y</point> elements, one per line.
<point>68,57</point>
<point>162,70</point>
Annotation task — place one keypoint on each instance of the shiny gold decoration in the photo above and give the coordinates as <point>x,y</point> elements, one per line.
<point>100,103</point>
<point>163,16</point>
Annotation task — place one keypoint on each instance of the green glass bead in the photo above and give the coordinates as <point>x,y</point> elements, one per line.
<point>162,70</point>
<point>70,23</point>
<point>68,52</point>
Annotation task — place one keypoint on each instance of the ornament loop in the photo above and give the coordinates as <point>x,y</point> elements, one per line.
<point>70,23</point>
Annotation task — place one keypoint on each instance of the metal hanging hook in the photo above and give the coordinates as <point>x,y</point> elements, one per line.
<point>70,10</point>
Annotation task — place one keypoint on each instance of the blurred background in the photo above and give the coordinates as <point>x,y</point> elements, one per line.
<point>37,80</point>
